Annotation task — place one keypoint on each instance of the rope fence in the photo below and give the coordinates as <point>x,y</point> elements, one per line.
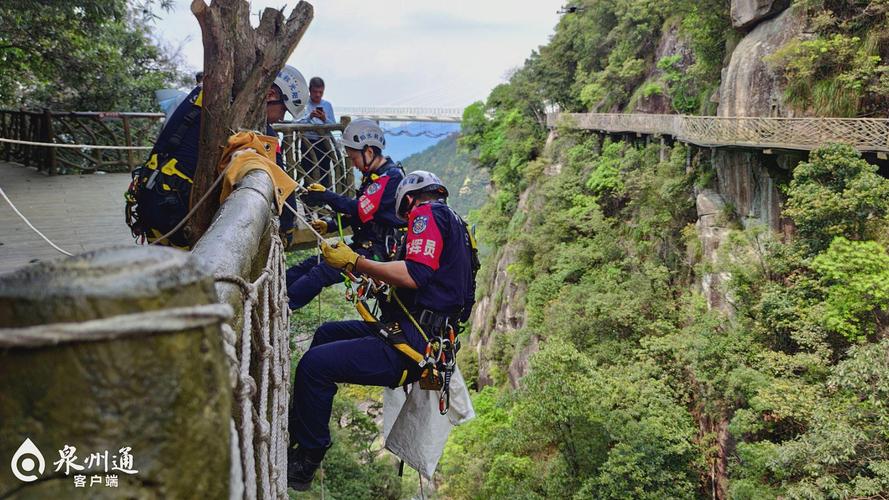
<point>314,154</point>
<point>75,146</point>
<point>864,134</point>
<point>261,401</point>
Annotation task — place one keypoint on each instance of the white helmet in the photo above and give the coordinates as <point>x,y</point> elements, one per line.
<point>294,89</point>
<point>418,180</point>
<point>362,133</point>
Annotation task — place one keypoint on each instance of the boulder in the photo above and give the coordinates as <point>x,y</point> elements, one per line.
<point>749,86</point>
<point>747,13</point>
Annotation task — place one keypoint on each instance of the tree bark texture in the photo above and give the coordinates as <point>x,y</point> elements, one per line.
<point>240,64</point>
<point>167,395</point>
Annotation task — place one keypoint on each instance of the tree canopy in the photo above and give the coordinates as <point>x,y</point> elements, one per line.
<point>83,55</point>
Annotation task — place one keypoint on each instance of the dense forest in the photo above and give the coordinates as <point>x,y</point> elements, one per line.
<point>638,387</point>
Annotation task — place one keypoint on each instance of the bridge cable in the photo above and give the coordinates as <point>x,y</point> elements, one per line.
<point>16,210</point>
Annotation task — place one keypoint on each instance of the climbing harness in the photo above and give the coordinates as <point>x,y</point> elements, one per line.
<point>439,360</point>
<point>161,175</point>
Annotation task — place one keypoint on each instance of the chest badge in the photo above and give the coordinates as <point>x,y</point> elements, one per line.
<point>373,188</point>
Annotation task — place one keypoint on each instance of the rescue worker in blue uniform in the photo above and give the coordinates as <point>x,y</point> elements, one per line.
<point>433,286</point>
<point>159,196</point>
<point>371,214</point>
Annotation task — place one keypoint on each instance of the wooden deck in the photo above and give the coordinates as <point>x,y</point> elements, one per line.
<point>76,212</point>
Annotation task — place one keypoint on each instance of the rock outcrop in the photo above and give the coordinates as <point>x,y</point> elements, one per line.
<point>747,13</point>
<point>712,230</point>
<point>746,179</point>
<point>670,44</point>
<point>749,86</point>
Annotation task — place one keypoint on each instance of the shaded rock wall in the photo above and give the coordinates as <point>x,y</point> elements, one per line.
<point>670,44</point>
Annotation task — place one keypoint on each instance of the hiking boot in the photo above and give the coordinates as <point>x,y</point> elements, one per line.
<point>301,466</point>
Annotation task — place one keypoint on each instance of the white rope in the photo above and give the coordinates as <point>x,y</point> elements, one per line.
<point>262,349</point>
<point>16,210</point>
<point>73,146</point>
<point>116,327</point>
<point>301,219</point>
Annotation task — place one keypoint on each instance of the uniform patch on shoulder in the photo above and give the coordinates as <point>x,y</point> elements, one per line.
<point>373,188</point>
<point>420,223</point>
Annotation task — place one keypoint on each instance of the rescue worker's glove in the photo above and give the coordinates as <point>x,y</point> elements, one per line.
<point>316,195</point>
<point>339,255</point>
<point>319,225</point>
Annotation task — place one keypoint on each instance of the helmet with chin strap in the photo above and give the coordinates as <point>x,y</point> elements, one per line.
<point>361,133</point>
<point>294,90</point>
<point>418,181</point>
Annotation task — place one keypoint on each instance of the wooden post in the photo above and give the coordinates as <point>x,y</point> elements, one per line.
<point>128,137</point>
<point>240,64</point>
<point>165,393</point>
<point>97,158</point>
<point>49,137</point>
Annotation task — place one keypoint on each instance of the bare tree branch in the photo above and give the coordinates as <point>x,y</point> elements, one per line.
<point>240,64</point>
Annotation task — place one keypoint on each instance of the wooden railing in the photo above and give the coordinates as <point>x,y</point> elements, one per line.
<point>88,128</point>
<point>864,134</point>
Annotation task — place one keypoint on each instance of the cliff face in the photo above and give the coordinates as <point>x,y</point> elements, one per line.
<point>744,189</point>
<point>746,180</point>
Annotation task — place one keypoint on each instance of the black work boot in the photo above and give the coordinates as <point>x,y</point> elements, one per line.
<point>301,466</point>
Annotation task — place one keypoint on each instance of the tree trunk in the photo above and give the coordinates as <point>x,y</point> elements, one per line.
<point>240,64</point>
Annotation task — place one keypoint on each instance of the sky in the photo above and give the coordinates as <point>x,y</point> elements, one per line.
<point>395,52</point>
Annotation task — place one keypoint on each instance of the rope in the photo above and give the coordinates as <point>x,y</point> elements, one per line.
<point>262,350</point>
<point>303,220</point>
<point>16,210</point>
<point>116,327</point>
<point>73,146</point>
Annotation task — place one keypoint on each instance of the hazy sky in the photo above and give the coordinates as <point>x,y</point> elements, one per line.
<point>399,53</point>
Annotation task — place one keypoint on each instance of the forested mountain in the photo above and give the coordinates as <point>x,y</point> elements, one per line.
<point>666,321</point>
<point>468,184</point>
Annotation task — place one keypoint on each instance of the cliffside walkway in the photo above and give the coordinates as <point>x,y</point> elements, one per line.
<point>864,134</point>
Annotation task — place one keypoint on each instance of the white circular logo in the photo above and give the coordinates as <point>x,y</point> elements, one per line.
<point>373,188</point>
<point>23,462</point>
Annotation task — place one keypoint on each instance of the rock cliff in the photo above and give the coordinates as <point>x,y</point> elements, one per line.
<point>744,190</point>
